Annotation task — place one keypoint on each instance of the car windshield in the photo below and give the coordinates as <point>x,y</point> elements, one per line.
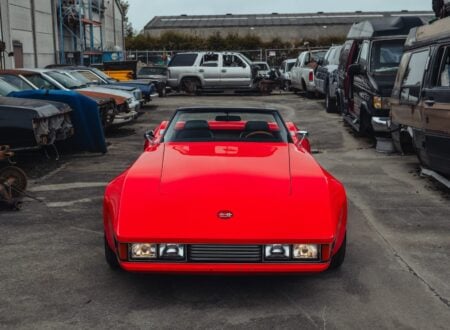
<point>290,66</point>
<point>316,56</point>
<point>65,80</point>
<point>226,125</point>
<point>386,55</point>
<point>6,88</point>
<point>78,76</point>
<point>261,66</point>
<point>153,71</point>
<point>102,74</point>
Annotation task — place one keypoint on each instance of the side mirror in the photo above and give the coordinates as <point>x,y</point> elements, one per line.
<point>149,135</point>
<point>303,141</point>
<point>354,69</point>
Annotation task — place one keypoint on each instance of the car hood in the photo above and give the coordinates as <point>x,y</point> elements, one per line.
<point>41,109</point>
<point>176,192</point>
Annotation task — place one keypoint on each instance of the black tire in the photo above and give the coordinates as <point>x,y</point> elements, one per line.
<point>338,259</point>
<point>287,86</point>
<point>162,92</point>
<point>330,104</point>
<point>111,257</point>
<point>190,86</point>
<point>365,125</point>
<point>403,143</point>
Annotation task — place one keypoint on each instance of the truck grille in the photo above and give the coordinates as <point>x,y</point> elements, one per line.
<point>224,253</point>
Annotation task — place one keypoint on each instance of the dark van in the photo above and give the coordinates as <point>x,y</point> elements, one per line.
<point>367,69</point>
<point>420,103</point>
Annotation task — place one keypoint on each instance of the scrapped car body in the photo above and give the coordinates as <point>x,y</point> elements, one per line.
<point>327,79</point>
<point>98,77</point>
<point>29,124</point>
<point>420,103</point>
<point>88,129</point>
<point>286,70</point>
<point>39,79</point>
<point>262,68</point>
<point>195,72</point>
<point>232,191</point>
<point>367,69</point>
<point>157,75</point>
<point>302,74</point>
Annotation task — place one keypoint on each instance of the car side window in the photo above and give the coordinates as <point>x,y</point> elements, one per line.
<point>364,54</point>
<point>444,70</point>
<point>232,61</point>
<point>210,60</point>
<point>412,80</point>
<point>16,81</point>
<point>40,82</point>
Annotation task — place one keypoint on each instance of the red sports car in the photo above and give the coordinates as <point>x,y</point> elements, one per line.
<point>227,191</point>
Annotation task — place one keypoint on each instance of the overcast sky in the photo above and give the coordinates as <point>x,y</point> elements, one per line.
<point>142,11</point>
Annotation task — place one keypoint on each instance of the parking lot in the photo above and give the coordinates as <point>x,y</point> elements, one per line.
<point>396,274</point>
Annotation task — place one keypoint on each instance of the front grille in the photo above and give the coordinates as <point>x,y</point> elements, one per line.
<point>224,253</point>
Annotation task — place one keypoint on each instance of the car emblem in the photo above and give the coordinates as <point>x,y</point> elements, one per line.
<point>225,215</point>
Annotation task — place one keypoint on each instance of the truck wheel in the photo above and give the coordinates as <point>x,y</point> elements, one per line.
<point>162,92</point>
<point>402,140</point>
<point>110,256</point>
<point>190,86</point>
<point>330,104</point>
<point>365,125</point>
<point>338,259</point>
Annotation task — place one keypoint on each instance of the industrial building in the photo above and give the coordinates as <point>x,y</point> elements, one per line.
<point>36,33</point>
<point>287,27</point>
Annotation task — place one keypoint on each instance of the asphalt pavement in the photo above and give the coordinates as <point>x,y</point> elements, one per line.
<point>396,273</point>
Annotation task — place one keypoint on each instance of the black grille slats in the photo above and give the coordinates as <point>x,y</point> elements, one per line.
<point>224,253</point>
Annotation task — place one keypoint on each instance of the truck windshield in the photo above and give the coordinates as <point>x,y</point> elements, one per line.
<point>386,55</point>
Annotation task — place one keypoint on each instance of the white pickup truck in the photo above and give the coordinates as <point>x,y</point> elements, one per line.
<point>302,74</point>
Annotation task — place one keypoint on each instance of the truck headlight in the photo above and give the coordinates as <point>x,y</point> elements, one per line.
<point>277,252</point>
<point>171,251</point>
<point>381,102</point>
<point>305,251</point>
<point>143,251</point>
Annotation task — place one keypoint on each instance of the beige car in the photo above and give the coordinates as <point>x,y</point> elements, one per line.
<point>420,103</point>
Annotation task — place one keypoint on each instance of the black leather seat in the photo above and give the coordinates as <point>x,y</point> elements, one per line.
<point>194,130</point>
<point>257,131</point>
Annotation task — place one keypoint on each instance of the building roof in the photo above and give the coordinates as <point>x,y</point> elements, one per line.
<point>274,19</point>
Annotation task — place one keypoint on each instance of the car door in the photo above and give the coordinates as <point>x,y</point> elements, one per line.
<point>296,78</point>
<point>436,110</point>
<point>209,69</point>
<point>408,111</point>
<point>235,72</point>
<point>358,88</point>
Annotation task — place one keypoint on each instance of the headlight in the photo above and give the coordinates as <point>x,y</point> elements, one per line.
<point>277,252</point>
<point>171,251</point>
<point>305,251</point>
<point>381,102</point>
<point>143,251</point>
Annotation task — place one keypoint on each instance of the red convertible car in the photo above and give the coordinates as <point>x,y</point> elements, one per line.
<point>228,191</point>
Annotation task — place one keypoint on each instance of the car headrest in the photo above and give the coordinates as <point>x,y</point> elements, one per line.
<point>228,118</point>
<point>196,124</point>
<point>252,126</point>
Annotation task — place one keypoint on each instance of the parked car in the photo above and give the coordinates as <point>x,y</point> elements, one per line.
<point>7,88</point>
<point>217,71</point>
<point>302,74</point>
<point>157,75</point>
<point>326,77</point>
<point>420,103</point>
<point>98,77</point>
<point>262,68</point>
<point>367,69</point>
<point>285,71</point>
<point>30,124</point>
<point>53,80</point>
<point>214,159</point>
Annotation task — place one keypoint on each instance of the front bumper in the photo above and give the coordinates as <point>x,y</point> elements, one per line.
<point>380,124</point>
<point>124,118</point>
<point>225,268</point>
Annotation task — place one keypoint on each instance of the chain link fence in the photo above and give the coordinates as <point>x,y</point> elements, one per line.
<point>272,56</point>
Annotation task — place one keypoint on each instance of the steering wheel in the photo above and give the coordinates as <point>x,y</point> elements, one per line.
<point>265,133</point>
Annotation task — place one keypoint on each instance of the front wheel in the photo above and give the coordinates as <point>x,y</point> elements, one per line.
<point>162,92</point>
<point>330,104</point>
<point>190,86</point>
<point>338,259</point>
